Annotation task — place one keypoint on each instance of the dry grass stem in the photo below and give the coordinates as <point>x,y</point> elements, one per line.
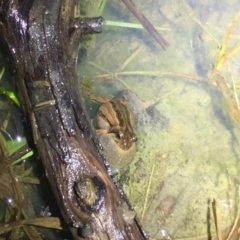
<point>109,74</point>
<point>191,15</point>
<point>236,222</point>
<point>148,190</point>
<point>129,59</point>
<point>151,73</point>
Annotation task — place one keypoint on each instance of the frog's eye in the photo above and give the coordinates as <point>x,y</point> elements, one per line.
<point>120,134</point>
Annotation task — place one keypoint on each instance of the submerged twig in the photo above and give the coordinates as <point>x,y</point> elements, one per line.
<point>129,59</point>
<point>217,218</point>
<point>109,73</point>
<point>146,24</point>
<point>148,189</point>
<point>151,73</point>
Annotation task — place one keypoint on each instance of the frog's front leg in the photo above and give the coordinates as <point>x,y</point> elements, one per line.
<point>101,131</point>
<point>106,128</point>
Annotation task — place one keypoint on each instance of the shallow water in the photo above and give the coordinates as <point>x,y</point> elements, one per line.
<point>188,139</point>
<point>187,127</point>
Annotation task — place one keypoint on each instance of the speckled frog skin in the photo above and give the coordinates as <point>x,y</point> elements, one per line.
<point>116,133</point>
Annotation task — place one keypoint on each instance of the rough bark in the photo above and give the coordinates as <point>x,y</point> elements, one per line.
<point>42,39</point>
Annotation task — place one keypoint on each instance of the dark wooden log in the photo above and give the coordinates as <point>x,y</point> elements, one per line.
<point>42,39</point>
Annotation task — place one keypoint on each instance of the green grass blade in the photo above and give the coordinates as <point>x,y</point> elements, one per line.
<point>131,25</point>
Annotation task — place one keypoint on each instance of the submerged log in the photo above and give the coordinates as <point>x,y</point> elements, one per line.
<point>42,40</point>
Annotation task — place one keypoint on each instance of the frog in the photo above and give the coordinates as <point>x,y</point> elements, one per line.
<point>116,130</point>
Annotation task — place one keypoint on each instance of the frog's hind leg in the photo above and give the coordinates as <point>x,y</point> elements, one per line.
<point>99,99</point>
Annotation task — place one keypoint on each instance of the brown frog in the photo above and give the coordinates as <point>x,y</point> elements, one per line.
<point>116,133</point>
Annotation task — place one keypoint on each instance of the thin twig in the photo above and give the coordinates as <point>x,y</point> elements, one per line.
<point>146,24</point>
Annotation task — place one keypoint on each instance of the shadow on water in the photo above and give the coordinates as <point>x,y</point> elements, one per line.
<point>221,112</point>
